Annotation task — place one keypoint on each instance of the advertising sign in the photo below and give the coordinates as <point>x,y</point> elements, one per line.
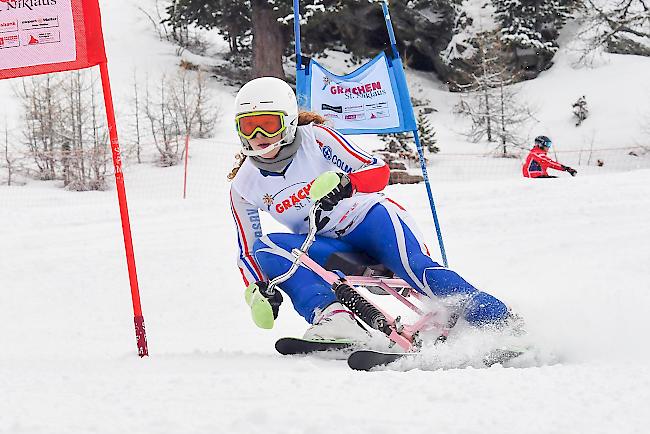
<point>364,100</point>
<point>47,36</point>
<point>373,99</point>
<point>44,36</point>
<point>36,32</point>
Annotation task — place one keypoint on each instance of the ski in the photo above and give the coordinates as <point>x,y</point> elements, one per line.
<point>365,360</point>
<point>294,346</point>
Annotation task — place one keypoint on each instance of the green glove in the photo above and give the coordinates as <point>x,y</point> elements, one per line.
<point>264,305</point>
<point>330,188</point>
<point>324,184</point>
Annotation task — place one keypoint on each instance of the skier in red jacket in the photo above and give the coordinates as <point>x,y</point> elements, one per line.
<point>538,162</point>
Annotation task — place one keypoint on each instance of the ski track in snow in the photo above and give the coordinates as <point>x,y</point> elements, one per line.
<point>570,255</point>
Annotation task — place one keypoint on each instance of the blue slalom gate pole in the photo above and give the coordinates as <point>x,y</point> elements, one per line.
<point>389,26</point>
<point>418,145</point>
<point>296,32</point>
<point>407,117</point>
<point>425,175</point>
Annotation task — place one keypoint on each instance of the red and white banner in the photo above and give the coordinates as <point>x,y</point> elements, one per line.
<point>43,36</point>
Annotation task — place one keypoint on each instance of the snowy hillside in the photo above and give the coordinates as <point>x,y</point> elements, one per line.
<point>570,255</point>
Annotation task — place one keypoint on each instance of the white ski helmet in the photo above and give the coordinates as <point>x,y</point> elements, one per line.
<point>266,96</point>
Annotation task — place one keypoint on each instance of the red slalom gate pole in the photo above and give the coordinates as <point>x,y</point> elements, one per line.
<point>138,319</point>
<point>187,151</point>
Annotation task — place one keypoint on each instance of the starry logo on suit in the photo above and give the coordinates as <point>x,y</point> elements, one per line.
<point>267,199</point>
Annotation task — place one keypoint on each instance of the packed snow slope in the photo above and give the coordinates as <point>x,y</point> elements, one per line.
<point>570,255</point>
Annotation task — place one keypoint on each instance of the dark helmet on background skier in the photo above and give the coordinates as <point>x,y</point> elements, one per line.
<point>543,142</point>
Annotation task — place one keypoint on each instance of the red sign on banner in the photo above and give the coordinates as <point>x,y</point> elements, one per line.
<point>39,37</point>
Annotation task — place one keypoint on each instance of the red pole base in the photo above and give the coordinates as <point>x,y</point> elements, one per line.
<point>141,336</point>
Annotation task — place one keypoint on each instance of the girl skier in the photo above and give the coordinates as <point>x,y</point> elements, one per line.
<point>283,153</point>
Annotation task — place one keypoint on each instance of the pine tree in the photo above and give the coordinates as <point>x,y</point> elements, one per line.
<point>621,27</point>
<point>580,110</point>
<point>427,134</point>
<point>531,23</point>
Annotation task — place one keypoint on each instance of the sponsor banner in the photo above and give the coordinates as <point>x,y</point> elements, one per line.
<point>8,25</point>
<point>335,109</point>
<point>45,31</point>
<point>9,40</point>
<point>34,38</point>
<point>362,100</point>
<point>44,36</point>
<point>42,22</point>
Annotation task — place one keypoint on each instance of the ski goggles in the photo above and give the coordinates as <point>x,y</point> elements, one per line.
<point>270,124</point>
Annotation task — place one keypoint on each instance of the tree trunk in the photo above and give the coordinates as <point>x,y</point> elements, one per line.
<point>268,43</point>
<point>503,119</point>
<point>488,116</point>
